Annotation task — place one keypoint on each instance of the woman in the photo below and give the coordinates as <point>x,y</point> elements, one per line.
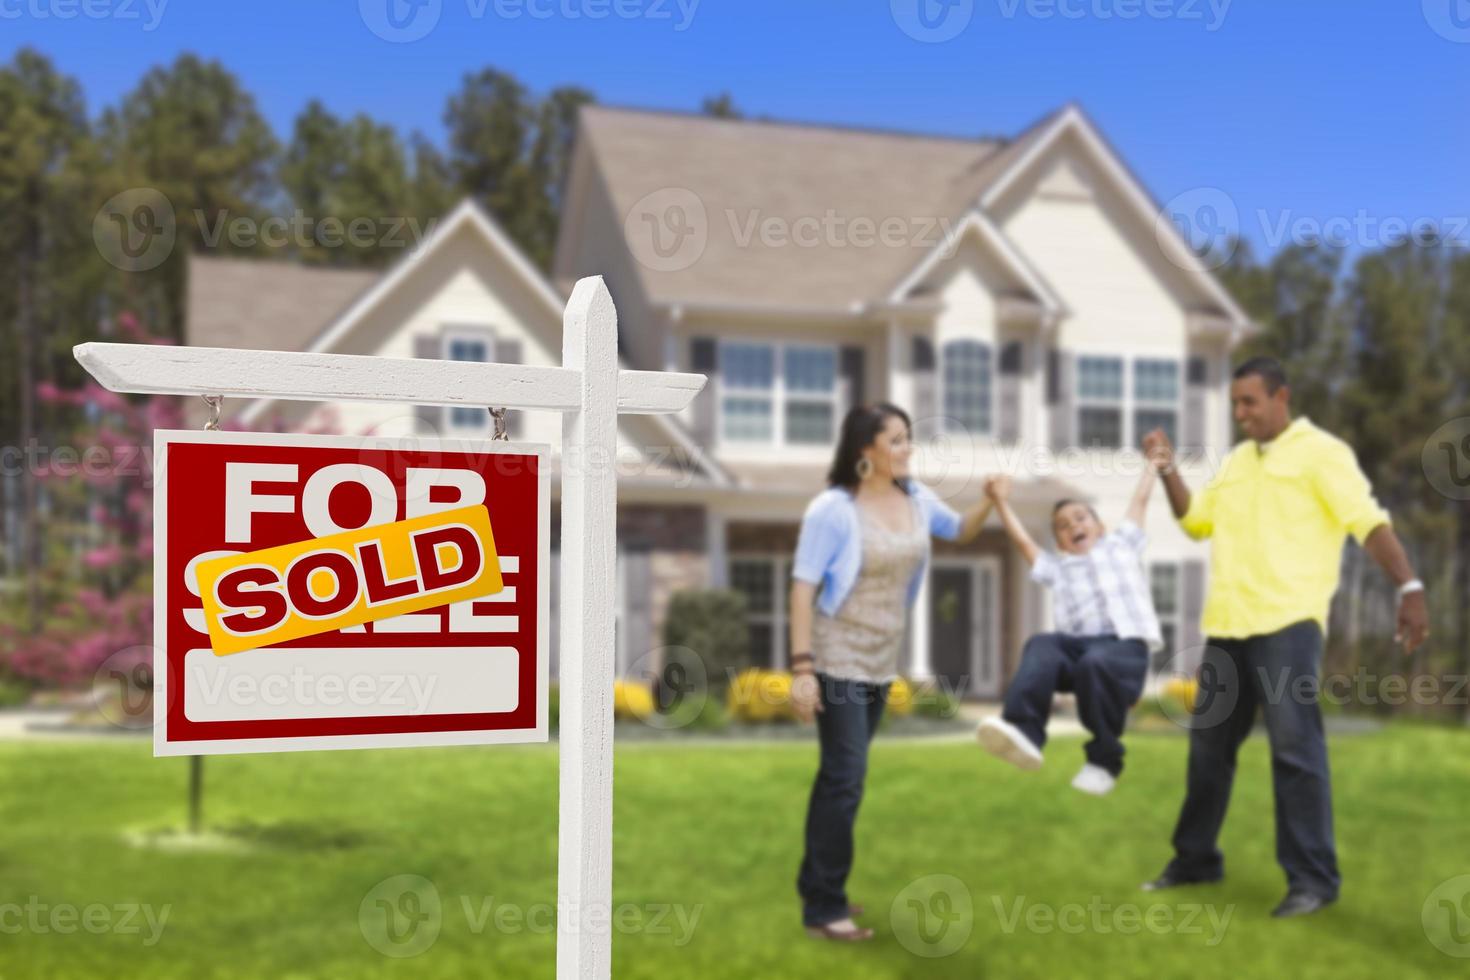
<point>865,540</point>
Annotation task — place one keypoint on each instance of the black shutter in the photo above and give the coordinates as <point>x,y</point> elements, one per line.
<point>704,358</point>
<point>430,417</point>
<point>852,368</point>
<point>1012,367</point>
<point>1196,395</point>
<point>926,389</point>
<point>1060,385</point>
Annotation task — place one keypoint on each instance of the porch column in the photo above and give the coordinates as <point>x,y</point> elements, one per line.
<point>920,667</point>
<point>714,546</point>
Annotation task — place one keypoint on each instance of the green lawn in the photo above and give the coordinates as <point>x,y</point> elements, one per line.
<point>715,828</point>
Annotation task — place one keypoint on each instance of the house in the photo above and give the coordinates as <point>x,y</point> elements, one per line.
<point>1021,298</point>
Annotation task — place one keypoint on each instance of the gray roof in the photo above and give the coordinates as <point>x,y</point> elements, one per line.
<point>265,304</point>
<point>743,171</point>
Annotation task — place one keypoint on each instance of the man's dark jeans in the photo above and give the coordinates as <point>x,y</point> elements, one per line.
<point>845,726</point>
<point>1276,672</point>
<point>1106,674</point>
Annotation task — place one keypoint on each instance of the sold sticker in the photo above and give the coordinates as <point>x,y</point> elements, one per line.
<point>282,593</point>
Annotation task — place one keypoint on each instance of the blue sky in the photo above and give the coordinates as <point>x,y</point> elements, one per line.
<point>1311,109</point>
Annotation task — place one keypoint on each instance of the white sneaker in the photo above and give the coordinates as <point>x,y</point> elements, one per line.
<point>1095,780</point>
<point>1005,741</point>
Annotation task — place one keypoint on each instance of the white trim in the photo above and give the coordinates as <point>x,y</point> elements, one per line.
<point>992,385</point>
<point>778,618</point>
<point>1128,404</point>
<point>976,221</point>
<point>1072,119</point>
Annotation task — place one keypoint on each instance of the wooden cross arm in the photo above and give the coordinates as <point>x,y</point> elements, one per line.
<point>296,376</point>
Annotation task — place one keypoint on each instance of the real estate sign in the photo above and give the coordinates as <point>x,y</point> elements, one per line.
<point>327,592</point>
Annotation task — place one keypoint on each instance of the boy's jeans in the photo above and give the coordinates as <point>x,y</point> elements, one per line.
<point>1107,675</point>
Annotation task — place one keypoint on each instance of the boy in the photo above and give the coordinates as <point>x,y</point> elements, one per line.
<point>1106,626</point>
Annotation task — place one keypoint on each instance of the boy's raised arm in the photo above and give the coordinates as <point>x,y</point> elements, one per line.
<point>1138,506</point>
<point>998,489</point>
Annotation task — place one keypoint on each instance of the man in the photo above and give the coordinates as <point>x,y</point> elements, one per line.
<point>1277,513</point>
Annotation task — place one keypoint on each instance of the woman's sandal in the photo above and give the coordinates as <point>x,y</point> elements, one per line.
<point>858,935</point>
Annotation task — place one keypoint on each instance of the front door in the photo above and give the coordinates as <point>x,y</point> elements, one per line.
<point>964,606</point>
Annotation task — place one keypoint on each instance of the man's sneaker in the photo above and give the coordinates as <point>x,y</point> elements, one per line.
<point>1095,780</point>
<point>1169,880</point>
<point>1005,741</point>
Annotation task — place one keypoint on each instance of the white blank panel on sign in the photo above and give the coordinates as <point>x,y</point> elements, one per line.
<point>328,682</point>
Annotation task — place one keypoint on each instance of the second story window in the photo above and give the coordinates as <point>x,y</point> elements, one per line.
<point>778,393</point>
<point>967,387</point>
<point>467,348</point>
<point>1100,402</point>
<point>1155,397</point>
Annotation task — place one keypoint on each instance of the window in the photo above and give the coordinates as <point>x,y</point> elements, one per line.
<point>967,401</point>
<point>766,584</point>
<point>1100,402</point>
<point>467,348</point>
<point>783,394</point>
<point>1164,585</point>
<point>1155,397</point>
<point>811,383</point>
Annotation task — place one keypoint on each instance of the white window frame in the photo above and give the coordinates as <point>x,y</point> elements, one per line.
<point>1136,405</point>
<point>779,615</point>
<point>1175,618</point>
<point>1123,402</point>
<point>992,387</point>
<point>476,333</point>
<point>777,393</point>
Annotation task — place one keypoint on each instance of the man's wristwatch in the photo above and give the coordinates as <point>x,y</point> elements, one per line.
<point>1412,585</point>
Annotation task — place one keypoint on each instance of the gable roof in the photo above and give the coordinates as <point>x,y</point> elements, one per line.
<point>331,330</point>
<point>744,171</point>
<point>264,304</point>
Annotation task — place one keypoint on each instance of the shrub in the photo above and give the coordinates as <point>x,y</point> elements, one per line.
<point>900,697</point>
<point>707,625</point>
<point>756,696</point>
<point>632,700</point>
<point>1182,691</point>
<point>933,700</point>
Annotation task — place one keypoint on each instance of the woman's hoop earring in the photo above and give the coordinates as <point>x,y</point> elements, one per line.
<point>864,467</point>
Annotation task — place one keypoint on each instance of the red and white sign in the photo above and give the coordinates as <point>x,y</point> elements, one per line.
<point>288,520</point>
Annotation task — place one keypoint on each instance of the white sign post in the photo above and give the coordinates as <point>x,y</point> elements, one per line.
<point>590,391</point>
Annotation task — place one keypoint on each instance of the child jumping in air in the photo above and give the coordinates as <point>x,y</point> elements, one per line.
<point>1106,628</point>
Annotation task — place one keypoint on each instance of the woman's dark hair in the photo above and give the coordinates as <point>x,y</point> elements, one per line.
<point>860,428</point>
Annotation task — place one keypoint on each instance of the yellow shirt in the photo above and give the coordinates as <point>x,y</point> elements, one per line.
<point>1277,518</point>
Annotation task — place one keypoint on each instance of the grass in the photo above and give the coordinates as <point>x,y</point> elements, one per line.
<point>713,828</point>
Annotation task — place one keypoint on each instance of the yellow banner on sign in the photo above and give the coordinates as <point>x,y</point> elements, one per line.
<point>346,579</point>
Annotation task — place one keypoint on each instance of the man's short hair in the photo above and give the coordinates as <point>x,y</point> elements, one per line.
<point>1268,369</point>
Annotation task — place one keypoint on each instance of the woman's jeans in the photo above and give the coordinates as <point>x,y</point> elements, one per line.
<point>845,726</point>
